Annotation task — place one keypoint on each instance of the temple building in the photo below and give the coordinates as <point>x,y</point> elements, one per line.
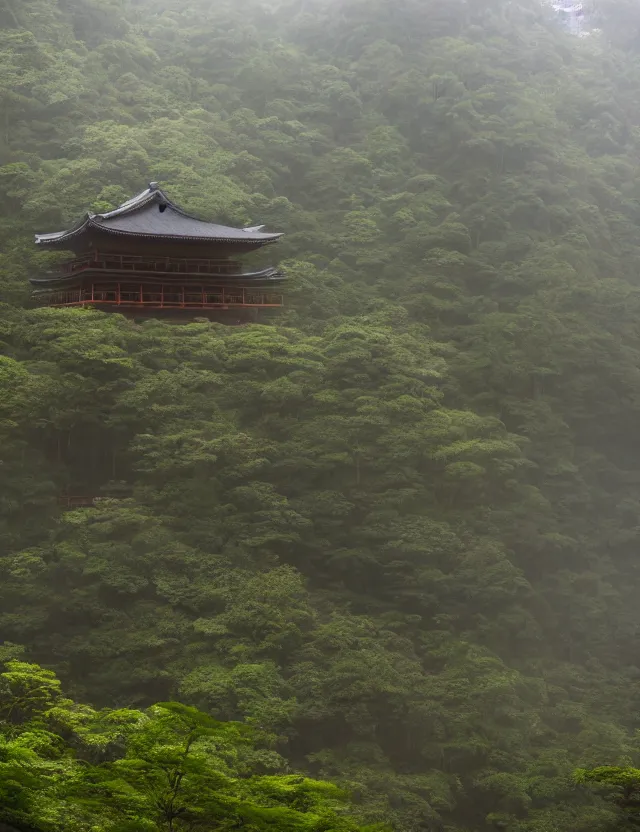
<point>150,257</point>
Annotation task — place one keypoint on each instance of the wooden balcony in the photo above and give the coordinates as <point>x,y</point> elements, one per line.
<point>128,263</point>
<point>160,296</point>
<point>79,502</point>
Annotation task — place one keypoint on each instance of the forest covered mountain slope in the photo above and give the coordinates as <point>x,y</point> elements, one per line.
<point>400,527</point>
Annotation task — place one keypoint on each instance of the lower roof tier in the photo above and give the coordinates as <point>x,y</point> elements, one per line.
<point>264,277</point>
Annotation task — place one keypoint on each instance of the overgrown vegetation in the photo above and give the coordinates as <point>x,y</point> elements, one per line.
<point>66,766</point>
<point>398,529</point>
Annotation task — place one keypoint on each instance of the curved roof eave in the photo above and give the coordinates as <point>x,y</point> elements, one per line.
<point>57,236</point>
<point>263,238</point>
<point>63,236</point>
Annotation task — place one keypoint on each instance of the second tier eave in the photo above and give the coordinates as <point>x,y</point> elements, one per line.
<point>268,276</point>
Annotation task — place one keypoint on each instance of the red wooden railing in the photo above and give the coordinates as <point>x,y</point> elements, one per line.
<point>162,296</point>
<point>79,502</point>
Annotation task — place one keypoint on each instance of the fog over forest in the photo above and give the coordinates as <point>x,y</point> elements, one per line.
<point>342,533</point>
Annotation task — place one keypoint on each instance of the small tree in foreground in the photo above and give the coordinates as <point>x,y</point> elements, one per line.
<point>622,785</point>
<point>65,766</point>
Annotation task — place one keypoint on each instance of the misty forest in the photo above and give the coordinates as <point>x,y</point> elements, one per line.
<point>370,561</point>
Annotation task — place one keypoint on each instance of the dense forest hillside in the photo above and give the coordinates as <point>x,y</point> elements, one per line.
<point>398,527</point>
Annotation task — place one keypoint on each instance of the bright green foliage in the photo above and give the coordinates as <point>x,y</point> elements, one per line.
<point>170,767</point>
<point>394,528</point>
<point>621,784</point>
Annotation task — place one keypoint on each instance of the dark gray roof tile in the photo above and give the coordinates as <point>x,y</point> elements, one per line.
<point>152,214</point>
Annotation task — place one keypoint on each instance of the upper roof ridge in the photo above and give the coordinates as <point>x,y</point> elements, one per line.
<point>129,219</point>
